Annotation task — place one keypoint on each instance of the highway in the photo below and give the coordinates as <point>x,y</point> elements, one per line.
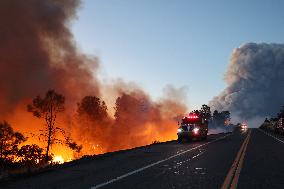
<point>248,159</point>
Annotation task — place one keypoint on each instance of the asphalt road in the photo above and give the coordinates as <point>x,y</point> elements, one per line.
<point>251,159</point>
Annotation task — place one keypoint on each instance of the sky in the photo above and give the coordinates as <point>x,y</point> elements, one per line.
<point>184,43</point>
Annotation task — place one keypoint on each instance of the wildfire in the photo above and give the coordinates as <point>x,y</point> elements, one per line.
<point>58,159</point>
<point>49,59</point>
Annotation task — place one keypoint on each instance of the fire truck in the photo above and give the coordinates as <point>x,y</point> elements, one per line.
<point>193,126</point>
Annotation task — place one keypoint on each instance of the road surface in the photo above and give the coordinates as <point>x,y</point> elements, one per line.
<point>251,159</point>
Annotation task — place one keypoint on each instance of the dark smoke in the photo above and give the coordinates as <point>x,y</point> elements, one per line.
<point>37,52</point>
<point>255,80</point>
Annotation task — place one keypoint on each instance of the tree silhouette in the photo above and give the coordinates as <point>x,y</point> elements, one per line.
<point>197,112</point>
<point>220,118</point>
<point>73,145</point>
<point>205,111</point>
<point>9,142</point>
<point>47,108</point>
<point>215,114</point>
<point>92,108</point>
<point>30,155</point>
<point>129,108</point>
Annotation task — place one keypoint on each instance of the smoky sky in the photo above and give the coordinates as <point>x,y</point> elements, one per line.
<point>37,52</point>
<point>255,81</point>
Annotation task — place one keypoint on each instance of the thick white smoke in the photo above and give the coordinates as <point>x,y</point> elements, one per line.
<point>255,79</point>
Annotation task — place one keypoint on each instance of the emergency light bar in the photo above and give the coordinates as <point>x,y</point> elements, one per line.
<point>192,117</point>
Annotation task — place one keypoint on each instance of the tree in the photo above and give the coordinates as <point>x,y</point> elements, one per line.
<point>221,118</point>
<point>226,115</point>
<point>31,155</point>
<point>73,145</point>
<point>205,111</point>
<point>47,108</point>
<point>215,114</point>
<point>9,142</point>
<point>92,108</point>
<point>129,108</point>
<point>197,112</point>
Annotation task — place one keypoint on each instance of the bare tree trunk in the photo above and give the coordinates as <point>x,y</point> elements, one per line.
<point>48,145</point>
<point>49,122</point>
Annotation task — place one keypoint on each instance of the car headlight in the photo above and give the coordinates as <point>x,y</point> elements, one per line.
<point>180,130</point>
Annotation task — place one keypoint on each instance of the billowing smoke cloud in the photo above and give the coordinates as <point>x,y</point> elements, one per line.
<point>138,120</point>
<point>255,79</point>
<point>38,52</point>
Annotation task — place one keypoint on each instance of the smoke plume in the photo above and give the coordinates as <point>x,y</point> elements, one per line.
<point>38,53</point>
<point>255,79</point>
<point>138,120</point>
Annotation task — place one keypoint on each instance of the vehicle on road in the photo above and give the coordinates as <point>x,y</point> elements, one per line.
<point>193,127</point>
<point>244,126</point>
<point>279,126</point>
<point>241,127</point>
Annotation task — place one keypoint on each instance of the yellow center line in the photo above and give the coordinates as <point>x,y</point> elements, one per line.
<point>232,177</point>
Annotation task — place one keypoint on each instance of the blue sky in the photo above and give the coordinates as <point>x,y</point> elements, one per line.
<point>178,42</point>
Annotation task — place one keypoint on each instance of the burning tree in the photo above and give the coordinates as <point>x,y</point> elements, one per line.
<point>9,142</point>
<point>92,108</point>
<point>94,122</point>
<point>133,109</point>
<point>31,155</point>
<point>48,108</point>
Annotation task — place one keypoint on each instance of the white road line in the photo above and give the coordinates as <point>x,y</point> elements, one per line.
<point>153,164</point>
<point>271,136</point>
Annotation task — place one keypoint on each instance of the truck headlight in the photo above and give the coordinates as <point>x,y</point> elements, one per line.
<point>195,130</point>
<point>180,130</point>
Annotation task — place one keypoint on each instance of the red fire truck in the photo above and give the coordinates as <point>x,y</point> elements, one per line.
<point>193,126</point>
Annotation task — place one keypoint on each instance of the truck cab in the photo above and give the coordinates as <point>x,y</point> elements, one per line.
<point>192,127</point>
